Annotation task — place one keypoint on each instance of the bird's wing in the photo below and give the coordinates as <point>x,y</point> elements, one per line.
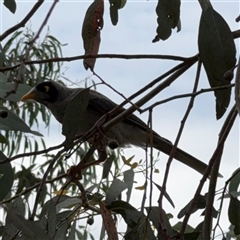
<point>102,104</point>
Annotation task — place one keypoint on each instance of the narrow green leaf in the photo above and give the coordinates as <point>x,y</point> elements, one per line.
<point>218,54</point>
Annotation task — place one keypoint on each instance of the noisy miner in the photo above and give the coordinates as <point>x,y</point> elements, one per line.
<point>131,131</point>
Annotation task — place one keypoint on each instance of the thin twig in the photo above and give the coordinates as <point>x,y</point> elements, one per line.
<point>193,94</point>
<point>23,22</point>
<point>204,178</point>
<point>113,56</point>
<point>39,192</point>
<point>28,154</point>
<point>31,188</point>
<point>207,226</point>
<point>22,64</point>
<point>164,185</point>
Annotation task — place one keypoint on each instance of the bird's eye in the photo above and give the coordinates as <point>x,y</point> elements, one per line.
<point>46,89</point>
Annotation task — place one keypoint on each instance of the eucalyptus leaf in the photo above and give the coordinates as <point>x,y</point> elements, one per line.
<point>218,54</point>
<point>14,123</point>
<point>168,12</point>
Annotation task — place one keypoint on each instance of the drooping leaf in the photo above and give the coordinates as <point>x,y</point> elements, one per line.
<point>200,204</point>
<point>115,5</point>
<point>6,177</point>
<point>153,214</point>
<point>14,123</point>
<point>114,190</point>
<point>10,5</point>
<point>75,113</point>
<point>217,52</point>
<point>139,226</point>
<point>234,214</point>
<point>168,12</point>
<point>92,25</point>
<point>165,194</point>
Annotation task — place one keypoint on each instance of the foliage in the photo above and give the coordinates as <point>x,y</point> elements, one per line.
<point>24,62</point>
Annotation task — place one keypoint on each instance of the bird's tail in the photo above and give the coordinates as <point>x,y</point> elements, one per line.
<point>165,146</point>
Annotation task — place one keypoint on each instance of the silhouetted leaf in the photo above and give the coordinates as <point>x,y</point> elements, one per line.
<point>10,5</point>
<point>75,113</point>
<point>6,177</point>
<point>200,204</point>
<point>234,214</point>
<point>2,139</point>
<point>92,25</point>
<point>168,12</point>
<point>217,52</point>
<point>115,5</point>
<point>139,226</point>
<point>153,214</point>
<point>165,194</point>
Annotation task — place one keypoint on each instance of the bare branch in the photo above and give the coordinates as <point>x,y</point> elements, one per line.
<point>113,56</point>
<point>190,105</point>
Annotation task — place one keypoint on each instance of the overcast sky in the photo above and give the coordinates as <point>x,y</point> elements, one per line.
<point>133,35</point>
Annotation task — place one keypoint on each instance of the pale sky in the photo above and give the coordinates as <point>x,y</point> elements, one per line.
<point>133,35</point>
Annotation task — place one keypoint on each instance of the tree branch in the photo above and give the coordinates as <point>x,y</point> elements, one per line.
<point>113,56</point>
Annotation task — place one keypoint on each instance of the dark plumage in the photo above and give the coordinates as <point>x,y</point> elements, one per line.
<point>131,131</point>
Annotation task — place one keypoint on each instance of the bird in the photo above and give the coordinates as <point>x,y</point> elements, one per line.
<point>130,131</point>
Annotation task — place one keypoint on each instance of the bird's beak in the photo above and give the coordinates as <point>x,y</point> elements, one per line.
<point>28,96</point>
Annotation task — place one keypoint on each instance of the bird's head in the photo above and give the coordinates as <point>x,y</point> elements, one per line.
<point>45,93</point>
